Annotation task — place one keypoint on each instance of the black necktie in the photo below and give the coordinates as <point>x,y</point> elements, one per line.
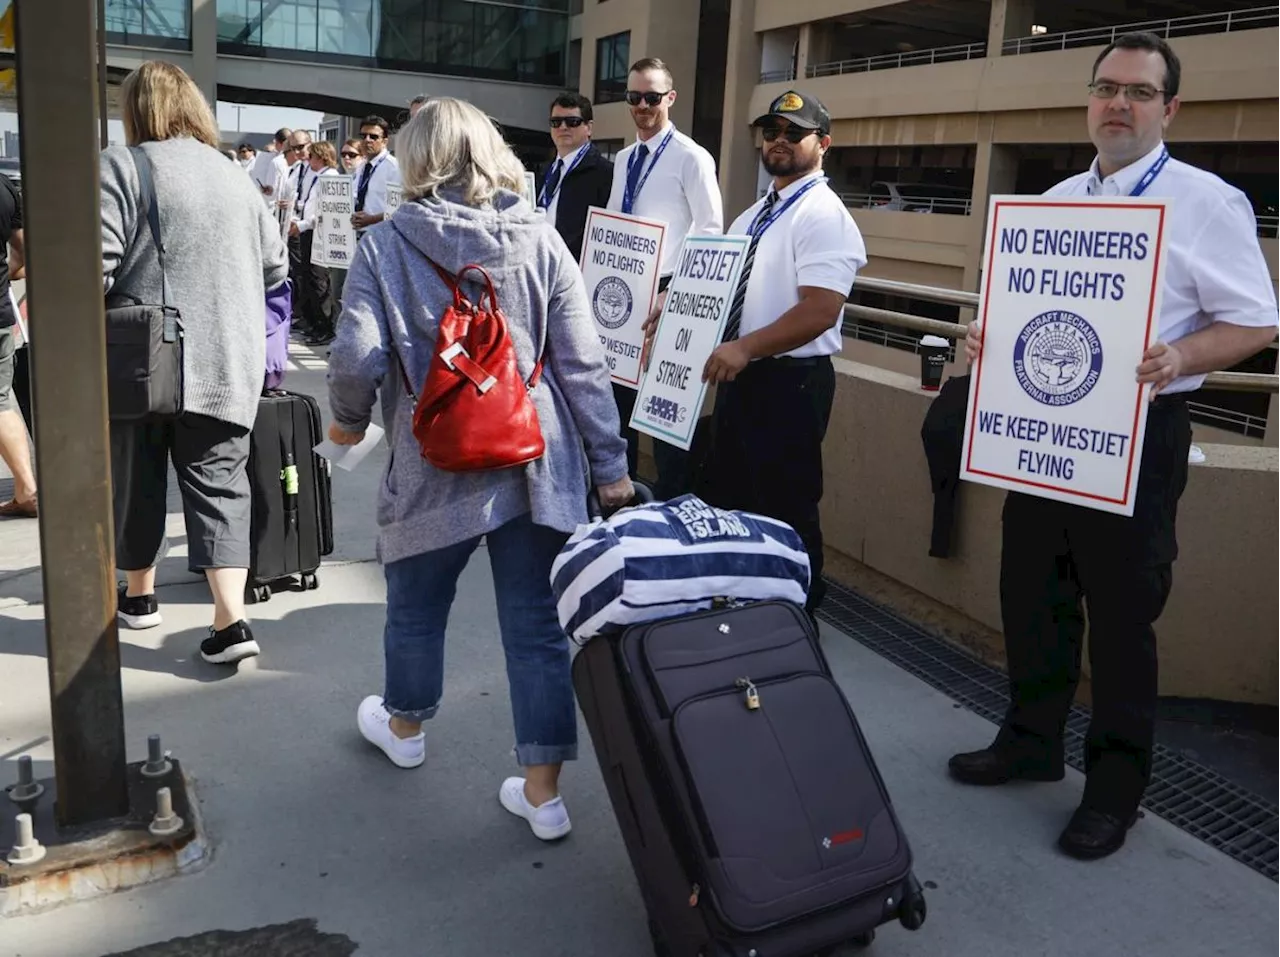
<point>362,190</point>
<point>553,181</point>
<point>740,294</point>
<point>633,179</point>
<point>299,200</point>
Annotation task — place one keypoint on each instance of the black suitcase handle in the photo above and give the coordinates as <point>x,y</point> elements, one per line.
<point>643,496</point>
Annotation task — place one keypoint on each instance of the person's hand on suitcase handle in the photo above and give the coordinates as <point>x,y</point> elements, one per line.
<point>340,436</point>
<point>616,494</point>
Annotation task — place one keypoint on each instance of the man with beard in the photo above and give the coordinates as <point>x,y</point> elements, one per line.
<point>663,175</point>
<point>773,366</point>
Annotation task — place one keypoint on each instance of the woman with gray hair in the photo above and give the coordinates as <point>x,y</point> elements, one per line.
<point>462,206</point>
<point>223,251</point>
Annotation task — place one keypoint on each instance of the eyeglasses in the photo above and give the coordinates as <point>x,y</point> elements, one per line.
<point>297,147</point>
<point>1135,92</point>
<point>350,156</point>
<point>651,98</point>
<point>573,122</point>
<point>793,134</point>
<point>371,136</point>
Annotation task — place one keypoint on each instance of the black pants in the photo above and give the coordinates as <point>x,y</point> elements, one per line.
<point>1057,555</point>
<point>296,263</point>
<point>210,458</point>
<point>765,452</point>
<point>315,290</point>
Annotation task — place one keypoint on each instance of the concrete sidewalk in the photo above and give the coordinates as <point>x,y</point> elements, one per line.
<point>309,822</point>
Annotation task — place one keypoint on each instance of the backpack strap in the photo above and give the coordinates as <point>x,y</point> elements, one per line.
<point>151,209</point>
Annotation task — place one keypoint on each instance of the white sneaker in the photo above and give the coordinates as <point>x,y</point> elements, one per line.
<point>375,724</point>
<point>549,821</point>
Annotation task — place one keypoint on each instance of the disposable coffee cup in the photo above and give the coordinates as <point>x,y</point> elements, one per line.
<point>933,358</point>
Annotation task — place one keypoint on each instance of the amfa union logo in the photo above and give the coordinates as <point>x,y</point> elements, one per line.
<point>1058,358</point>
<point>611,302</point>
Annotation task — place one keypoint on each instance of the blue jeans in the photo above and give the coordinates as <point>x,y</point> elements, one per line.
<point>420,591</point>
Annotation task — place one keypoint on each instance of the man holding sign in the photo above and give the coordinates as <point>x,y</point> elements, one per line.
<point>773,366</point>
<point>1063,542</point>
<point>663,176</point>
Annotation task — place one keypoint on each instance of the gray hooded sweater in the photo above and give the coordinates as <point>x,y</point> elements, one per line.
<point>392,295</point>
<point>222,252</point>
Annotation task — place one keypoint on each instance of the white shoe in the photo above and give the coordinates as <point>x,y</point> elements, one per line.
<point>549,821</point>
<point>375,724</point>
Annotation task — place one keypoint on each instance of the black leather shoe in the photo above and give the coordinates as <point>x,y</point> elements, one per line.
<point>1001,764</point>
<point>1093,834</point>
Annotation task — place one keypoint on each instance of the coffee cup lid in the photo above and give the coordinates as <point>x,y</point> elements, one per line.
<point>934,341</point>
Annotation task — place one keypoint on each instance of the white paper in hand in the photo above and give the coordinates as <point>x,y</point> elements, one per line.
<point>347,457</point>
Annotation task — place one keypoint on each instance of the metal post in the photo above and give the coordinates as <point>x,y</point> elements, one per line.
<point>55,52</point>
<point>102,74</point>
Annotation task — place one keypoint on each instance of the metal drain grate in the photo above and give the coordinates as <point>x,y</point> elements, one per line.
<point>1197,799</point>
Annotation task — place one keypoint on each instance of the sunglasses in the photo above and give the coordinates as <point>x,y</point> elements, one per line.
<point>298,147</point>
<point>650,99</point>
<point>371,136</point>
<point>350,156</point>
<point>573,122</point>
<point>793,134</point>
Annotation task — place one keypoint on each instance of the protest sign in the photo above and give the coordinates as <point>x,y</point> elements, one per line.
<point>620,258</point>
<point>1070,302</point>
<point>395,196</point>
<point>692,322</point>
<point>335,241</point>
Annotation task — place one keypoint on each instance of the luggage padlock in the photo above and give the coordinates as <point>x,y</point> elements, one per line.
<point>753,696</point>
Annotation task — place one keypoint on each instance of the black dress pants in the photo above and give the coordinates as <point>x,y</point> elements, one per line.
<point>315,290</point>
<point>1064,565</point>
<point>765,453</point>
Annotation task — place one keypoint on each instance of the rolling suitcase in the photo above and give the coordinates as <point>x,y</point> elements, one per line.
<point>292,525</point>
<point>753,813</point>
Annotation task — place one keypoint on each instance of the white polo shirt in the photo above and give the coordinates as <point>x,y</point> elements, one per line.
<point>269,169</point>
<point>311,200</point>
<point>681,191</point>
<point>815,242</point>
<point>385,172</point>
<point>1215,271</point>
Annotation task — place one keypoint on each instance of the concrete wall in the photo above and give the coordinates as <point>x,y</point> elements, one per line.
<point>772,14</point>
<point>1218,635</point>
<point>667,29</point>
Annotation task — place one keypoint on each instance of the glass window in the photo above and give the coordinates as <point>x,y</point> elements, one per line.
<point>502,39</point>
<point>613,57</point>
<point>149,19</point>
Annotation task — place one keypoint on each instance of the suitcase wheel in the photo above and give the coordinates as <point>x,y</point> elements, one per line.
<point>310,582</point>
<point>258,594</point>
<point>912,912</point>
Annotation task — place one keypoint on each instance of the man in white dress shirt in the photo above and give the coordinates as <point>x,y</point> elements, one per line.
<point>1218,309</point>
<point>269,169</point>
<point>380,170</point>
<point>290,201</point>
<point>663,175</point>
<point>773,368</point>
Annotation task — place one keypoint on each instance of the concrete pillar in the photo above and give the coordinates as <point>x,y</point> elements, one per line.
<point>204,47</point>
<point>1009,19</point>
<point>739,159</point>
<point>804,49</point>
<point>995,172</point>
<point>1273,423</point>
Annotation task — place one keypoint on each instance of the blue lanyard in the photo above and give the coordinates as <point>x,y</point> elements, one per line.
<point>629,198</point>
<point>544,200</point>
<point>758,228</point>
<point>1150,175</point>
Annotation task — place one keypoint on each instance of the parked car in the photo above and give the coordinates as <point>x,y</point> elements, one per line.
<point>920,198</point>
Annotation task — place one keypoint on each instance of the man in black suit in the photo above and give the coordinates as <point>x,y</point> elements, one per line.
<point>578,177</point>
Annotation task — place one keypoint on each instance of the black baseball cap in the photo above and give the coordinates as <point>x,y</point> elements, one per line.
<point>803,111</point>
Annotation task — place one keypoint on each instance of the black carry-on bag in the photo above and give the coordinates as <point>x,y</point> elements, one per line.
<point>752,810</point>
<point>292,526</point>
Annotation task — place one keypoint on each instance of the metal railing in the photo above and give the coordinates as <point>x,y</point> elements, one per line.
<point>1250,426</point>
<point>908,203</point>
<point>778,76</point>
<point>1233,20</point>
<point>1268,227</point>
<point>1227,381</point>
<point>893,61</point>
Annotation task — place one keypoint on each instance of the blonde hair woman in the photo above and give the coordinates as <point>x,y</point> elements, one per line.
<point>210,213</point>
<point>462,205</point>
